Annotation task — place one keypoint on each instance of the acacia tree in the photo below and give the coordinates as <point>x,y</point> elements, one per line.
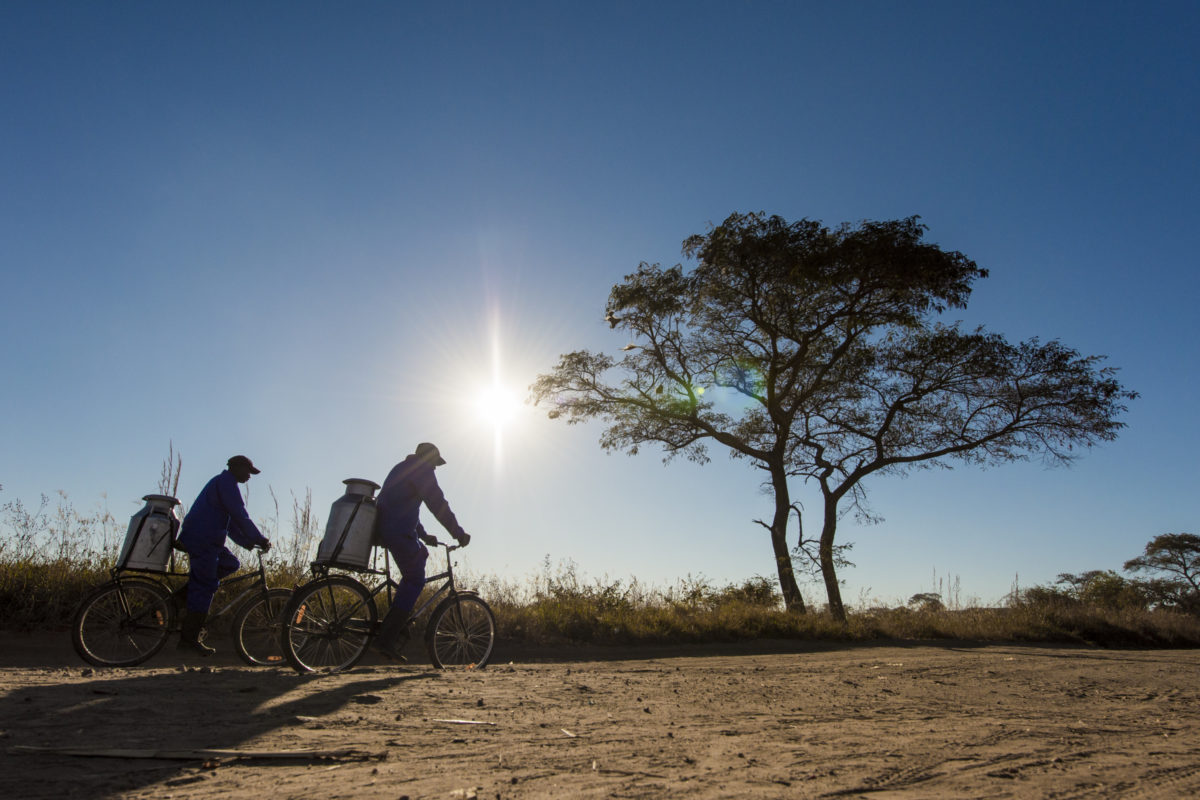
<point>1177,555</point>
<point>829,339</point>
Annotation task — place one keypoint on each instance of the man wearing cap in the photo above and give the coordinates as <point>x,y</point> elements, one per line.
<point>218,512</point>
<point>407,486</point>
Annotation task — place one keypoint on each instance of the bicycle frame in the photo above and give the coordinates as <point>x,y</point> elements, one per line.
<point>390,585</point>
<point>119,575</point>
<point>261,587</point>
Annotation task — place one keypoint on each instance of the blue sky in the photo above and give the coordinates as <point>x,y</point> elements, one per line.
<point>314,233</point>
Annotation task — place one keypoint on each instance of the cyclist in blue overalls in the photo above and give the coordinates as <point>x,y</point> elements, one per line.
<point>218,512</point>
<point>407,486</point>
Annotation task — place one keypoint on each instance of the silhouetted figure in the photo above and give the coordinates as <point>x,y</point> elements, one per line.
<point>218,512</point>
<point>407,486</point>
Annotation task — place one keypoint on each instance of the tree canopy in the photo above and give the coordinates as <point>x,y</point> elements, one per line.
<point>829,339</point>
<point>1173,559</point>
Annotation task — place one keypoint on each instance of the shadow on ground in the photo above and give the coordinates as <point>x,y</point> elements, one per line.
<point>178,709</point>
<point>47,650</point>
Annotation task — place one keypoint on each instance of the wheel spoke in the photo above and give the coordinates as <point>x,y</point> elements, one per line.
<point>329,624</point>
<point>462,633</point>
<point>122,624</point>
<point>258,628</point>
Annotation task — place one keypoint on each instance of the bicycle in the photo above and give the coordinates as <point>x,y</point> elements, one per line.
<point>126,621</point>
<point>330,620</point>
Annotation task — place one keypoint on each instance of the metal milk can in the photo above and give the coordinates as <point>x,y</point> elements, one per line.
<point>350,532</point>
<point>151,535</point>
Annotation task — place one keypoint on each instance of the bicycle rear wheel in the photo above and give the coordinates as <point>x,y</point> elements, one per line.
<point>123,623</point>
<point>461,633</point>
<point>257,628</point>
<point>327,624</point>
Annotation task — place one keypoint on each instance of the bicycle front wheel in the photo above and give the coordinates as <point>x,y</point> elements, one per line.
<point>461,633</point>
<point>327,624</point>
<point>123,623</point>
<point>257,628</point>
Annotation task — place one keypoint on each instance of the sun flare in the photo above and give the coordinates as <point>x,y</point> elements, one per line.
<point>496,405</point>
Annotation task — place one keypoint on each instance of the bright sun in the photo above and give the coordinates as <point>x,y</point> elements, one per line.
<point>496,405</point>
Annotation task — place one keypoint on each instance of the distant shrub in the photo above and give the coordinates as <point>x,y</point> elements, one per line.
<point>1042,596</point>
<point>1107,589</point>
<point>757,591</point>
<point>926,601</point>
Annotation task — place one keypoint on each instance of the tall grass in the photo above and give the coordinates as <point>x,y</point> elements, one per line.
<point>52,555</point>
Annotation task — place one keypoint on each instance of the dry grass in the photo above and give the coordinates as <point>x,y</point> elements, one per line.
<point>561,607</point>
<point>50,557</point>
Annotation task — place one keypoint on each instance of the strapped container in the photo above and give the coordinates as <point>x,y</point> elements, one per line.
<point>151,535</point>
<point>350,533</point>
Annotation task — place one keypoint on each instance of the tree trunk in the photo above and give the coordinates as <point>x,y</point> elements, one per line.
<point>828,530</point>
<point>792,598</point>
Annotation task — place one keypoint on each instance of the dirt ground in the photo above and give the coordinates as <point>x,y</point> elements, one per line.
<point>761,720</point>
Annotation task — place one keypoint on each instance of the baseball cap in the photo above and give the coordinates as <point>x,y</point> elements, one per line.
<point>242,461</point>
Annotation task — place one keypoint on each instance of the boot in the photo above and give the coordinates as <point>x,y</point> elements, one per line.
<point>179,596</point>
<point>190,639</point>
<point>393,635</point>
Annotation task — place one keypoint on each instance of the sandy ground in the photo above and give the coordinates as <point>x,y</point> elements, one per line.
<point>761,720</point>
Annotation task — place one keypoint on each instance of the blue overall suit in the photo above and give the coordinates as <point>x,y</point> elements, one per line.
<point>410,483</point>
<point>219,511</point>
